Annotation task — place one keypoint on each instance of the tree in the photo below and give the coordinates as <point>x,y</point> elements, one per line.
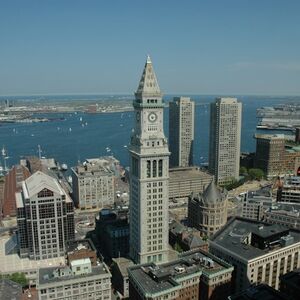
<point>178,248</point>
<point>17,277</point>
<point>256,174</point>
<point>243,171</point>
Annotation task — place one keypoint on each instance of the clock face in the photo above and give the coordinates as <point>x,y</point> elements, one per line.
<point>137,116</point>
<point>152,117</point>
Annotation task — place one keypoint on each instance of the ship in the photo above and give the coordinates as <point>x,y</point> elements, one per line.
<point>64,167</point>
<point>279,117</point>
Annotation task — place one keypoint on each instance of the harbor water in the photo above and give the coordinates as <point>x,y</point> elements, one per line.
<point>82,135</point>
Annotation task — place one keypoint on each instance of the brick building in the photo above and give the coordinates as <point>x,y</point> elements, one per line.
<point>195,275</point>
<point>13,184</point>
<point>274,157</point>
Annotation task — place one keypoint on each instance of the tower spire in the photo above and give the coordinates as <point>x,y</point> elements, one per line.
<point>148,61</point>
<point>148,85</point>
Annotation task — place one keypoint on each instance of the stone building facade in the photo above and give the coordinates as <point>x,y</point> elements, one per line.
<point>149,174</point>
<point>184,181</point>
<point>207,211</point>
<point>93,185</point>
<point>260,252</point>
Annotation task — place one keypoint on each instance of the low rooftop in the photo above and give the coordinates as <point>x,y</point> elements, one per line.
<point>291,181</point>
<point>285,208</point>
<point>11,263</point>
<point>77,245</point>
<point>46,275</point>
<point>154,279</point>
<point>99,166</point>
<point>123,264</point>
<point>188,172</point>
<point>237,234</point>
<point>10,290</point>
<point>269,136</point>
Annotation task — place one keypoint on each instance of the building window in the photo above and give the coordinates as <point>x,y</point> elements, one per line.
<point>148,168</point>
<point>154,170</point>
<point>160,168</point>
<point>45,193</point>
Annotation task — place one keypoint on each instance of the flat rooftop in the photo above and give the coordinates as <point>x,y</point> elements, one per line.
<point>11,263</point>
<point>188,172</point>
<point>46,274</point>
<point>270,136</point>
<point>123,263</point>
<point>155,279</point>
<point>231,236</point>
<point>10,290</point>
<point>77,245</point>
<point>286,208</point>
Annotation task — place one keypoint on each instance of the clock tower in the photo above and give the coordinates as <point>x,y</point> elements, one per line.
<point>149,174</point>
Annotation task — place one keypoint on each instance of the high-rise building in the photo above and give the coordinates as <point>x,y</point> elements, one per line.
<point>270,150</point>
<point>149,174</point>
<point>225,139</point>
<point>181,131</point>
<point>112,232</point>
<point>45,217</point>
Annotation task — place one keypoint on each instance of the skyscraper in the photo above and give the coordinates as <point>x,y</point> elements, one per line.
<point>225,139</point>
<point>149,174</point>
<point>181,131</point>
<point>45,217</point>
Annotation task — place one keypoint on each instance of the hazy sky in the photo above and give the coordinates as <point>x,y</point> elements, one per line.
<point>197,47</point>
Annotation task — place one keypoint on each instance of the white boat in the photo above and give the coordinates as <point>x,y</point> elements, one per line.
<point>64,167</point>
<point>80,119</point>
<point>70,129</point>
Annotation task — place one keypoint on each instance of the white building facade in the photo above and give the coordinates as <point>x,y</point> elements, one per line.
<point>149,174</point>
<point>79,281</point>
<point>93,185</point>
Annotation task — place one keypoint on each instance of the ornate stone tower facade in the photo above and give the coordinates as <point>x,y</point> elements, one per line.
<point>149,174</point>
<point>207,211</point>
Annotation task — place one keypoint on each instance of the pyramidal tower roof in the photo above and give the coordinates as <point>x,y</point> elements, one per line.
<point>148,85</point>
<point>212,193</point>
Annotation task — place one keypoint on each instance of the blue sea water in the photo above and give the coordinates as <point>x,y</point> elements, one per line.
<point>68,142</point>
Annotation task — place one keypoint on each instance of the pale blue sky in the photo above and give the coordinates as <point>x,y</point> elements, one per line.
<point>197,47</point>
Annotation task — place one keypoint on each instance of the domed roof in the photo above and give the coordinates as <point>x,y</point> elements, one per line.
<point>213,194</point>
